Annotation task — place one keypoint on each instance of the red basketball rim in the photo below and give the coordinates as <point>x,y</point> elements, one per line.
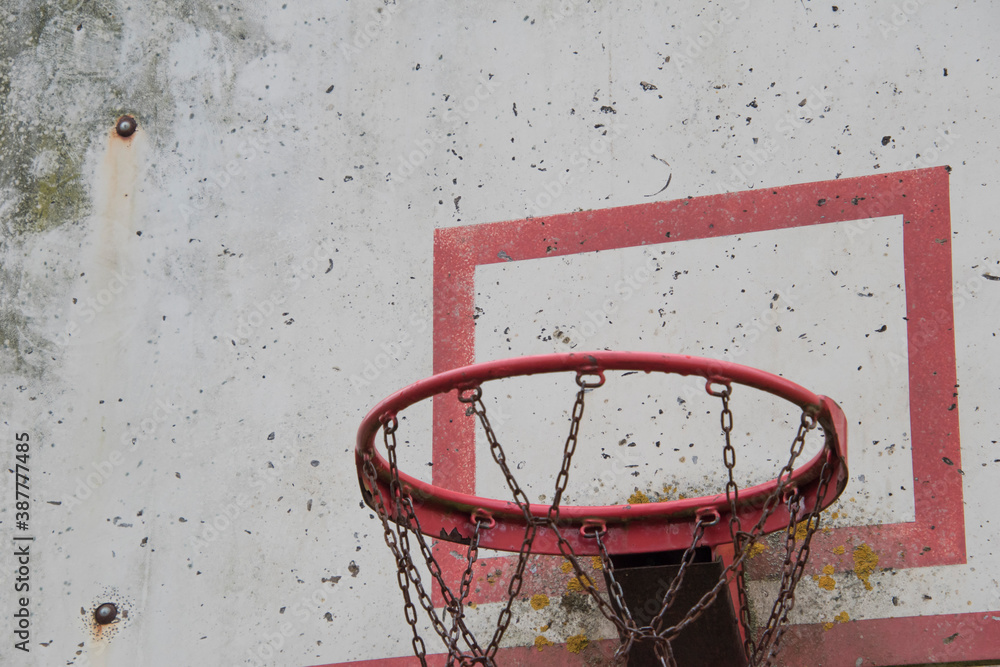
<point>638,528</point>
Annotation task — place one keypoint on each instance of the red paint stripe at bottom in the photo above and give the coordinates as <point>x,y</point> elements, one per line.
<point>405,661</point>
<point>911,640</point>
<point>554,655</point>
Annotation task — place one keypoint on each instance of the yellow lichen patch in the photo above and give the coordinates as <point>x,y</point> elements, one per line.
<point>471,605</point>
<point>756,549</point>
<point>492,577</point>
<point>541,642</point>
<point>638,498</point>
<point>842,617</point>
<point>539,601</point>
<point>826,581</point>
<point>865,562</point>
<point>566,567</point>
<point>544,628</point>
<point>576,585</point>
<point>577,643</point>
<point>595,562</point>
<point>839,550</point>
<point>800,530</point>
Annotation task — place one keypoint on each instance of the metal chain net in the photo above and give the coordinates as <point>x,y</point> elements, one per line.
<point>463,647</point>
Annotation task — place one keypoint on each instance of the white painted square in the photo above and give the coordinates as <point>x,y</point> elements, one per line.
<point>823,305</point>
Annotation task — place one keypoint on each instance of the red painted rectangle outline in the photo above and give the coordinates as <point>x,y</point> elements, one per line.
<point>920,197</point>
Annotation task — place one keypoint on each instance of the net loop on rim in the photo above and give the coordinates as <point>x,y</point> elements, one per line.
<point>593,529</point>
<point>790,492</point>
<point>800,492</point>
<point>389,422</point>
<point>584,384</point>
<point>726,390</point>
<point>480,517</point>
<point>477,393</point>
<point>713,516</point>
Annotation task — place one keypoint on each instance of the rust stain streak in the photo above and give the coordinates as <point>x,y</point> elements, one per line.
<point>116,196</point>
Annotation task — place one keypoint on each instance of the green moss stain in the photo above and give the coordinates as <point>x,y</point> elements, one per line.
<point>67,73</point>
<point>9,332</point>
<point>41,152</point>
<point>14,349</point>
<point>51,185</point>
<point>41,156</point>
<point>42,16</point>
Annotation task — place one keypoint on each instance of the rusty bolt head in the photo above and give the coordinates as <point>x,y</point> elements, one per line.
<point>106,613</point>
<point>126,126</point>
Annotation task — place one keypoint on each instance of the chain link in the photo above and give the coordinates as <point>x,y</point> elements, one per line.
<point>476,403</point>
<point>759,652</point>
<point>786,597</point>
<point>404,525</point>
<point>463,590</point>
<point>562,479</point>
<point>735,525</point>
<point>403,563</point>
<point>668,597</point>
<point>514,586</point>
<point>566,549</point>
<point>614,588</point>
<point>665,654</point>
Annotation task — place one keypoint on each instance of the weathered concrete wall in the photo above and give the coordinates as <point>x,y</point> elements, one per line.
<point>195,318</point>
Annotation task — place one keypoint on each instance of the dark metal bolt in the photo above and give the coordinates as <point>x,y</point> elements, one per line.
<point>126,126</point>
<point>106,613</point>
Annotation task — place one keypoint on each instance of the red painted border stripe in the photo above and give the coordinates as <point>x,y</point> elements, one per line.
<point>555,655</point>
<point>908,640</point>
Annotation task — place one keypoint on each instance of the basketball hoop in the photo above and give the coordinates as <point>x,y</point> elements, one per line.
<point>737,516</point>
